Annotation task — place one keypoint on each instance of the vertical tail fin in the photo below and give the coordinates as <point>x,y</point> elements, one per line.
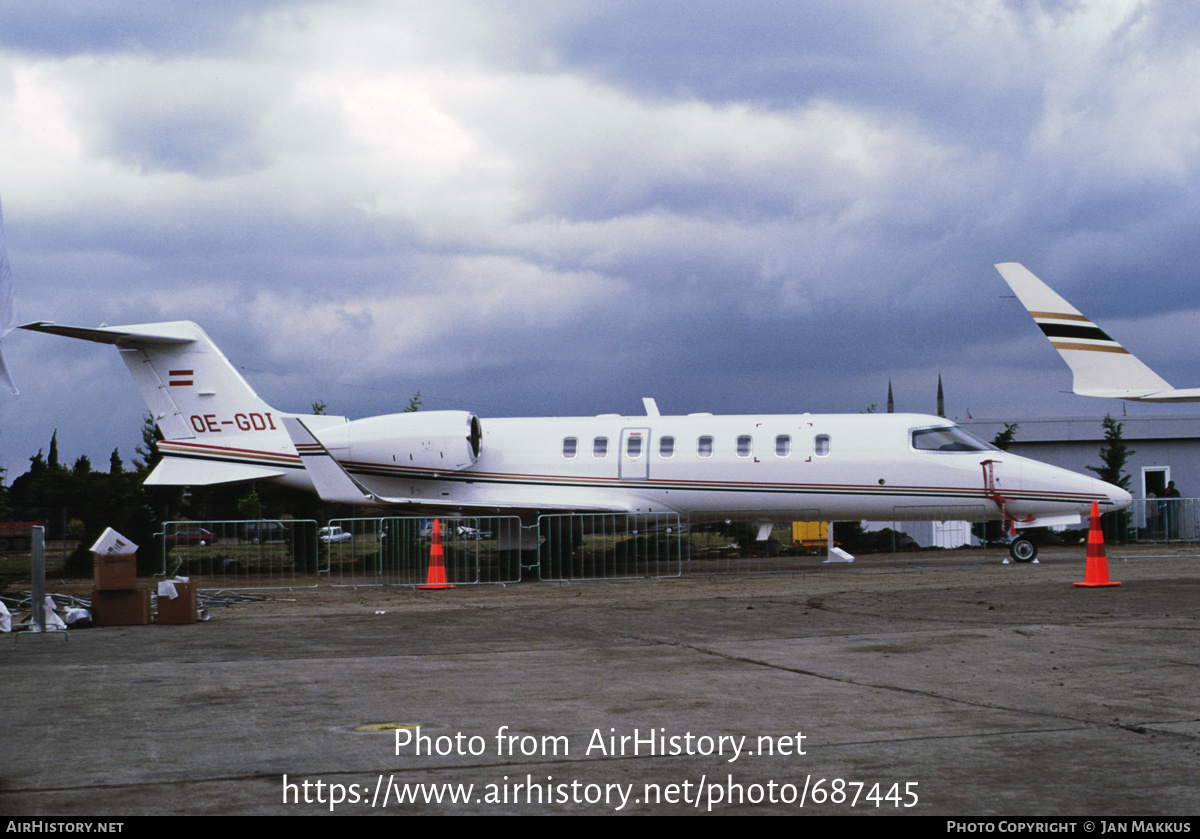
<point>215,428</point>
<point>190,387</point>
<point>1101,366</point>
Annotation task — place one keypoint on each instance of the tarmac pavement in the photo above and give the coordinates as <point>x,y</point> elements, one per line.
<point>934,684</point>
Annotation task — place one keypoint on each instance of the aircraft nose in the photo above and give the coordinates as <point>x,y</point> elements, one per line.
<point>1119,498</point>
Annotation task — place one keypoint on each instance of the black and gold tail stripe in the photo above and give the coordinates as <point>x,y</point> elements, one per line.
<point>1067,336</point>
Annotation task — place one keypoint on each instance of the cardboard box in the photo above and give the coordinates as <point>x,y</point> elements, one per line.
<point>181,609</point>
<point>115,572</point>
<point>121,608</point>
<point>112,542</point>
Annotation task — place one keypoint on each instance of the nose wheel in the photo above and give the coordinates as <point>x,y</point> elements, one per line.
<point>1023,550</point>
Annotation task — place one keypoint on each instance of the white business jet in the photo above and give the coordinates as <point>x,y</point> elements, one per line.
<point>1101,366</point>
<point>832,467</point>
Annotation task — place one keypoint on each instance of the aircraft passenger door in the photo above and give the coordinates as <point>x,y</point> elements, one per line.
<point>635,454</point>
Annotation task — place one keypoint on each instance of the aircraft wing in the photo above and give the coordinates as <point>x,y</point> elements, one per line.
<point>333,483</point>
<point>1100,365</point>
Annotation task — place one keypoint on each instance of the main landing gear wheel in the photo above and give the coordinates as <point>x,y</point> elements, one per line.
<point>1022,550</point>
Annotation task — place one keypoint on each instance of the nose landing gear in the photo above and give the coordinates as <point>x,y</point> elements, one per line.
<point>1023,550</point>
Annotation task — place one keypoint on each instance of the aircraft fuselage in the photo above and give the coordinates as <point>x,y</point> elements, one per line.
<point>810,466</point>
<point>216,429</point>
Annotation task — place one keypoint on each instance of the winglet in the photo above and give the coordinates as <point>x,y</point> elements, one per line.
<point>1101,366</point>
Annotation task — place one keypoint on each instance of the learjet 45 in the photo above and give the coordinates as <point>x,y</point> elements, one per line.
<point>829,467</point>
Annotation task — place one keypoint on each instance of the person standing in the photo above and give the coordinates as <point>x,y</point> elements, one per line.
<point>1171,505</point>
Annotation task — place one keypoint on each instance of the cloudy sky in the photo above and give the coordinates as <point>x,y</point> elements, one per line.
<point>538,207</point>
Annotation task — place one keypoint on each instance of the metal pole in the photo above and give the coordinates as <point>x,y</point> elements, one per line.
<point>38,578</point>
<point>38,584</point>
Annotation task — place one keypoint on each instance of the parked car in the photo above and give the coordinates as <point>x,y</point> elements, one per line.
<point>333,535</point>
<point>190,536</point>
<point>265,531</point>
<point>16,535</point>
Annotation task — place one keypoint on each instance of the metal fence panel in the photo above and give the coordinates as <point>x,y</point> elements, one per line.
<point>606,546</point>
<point>925,526</point>
<point>727,543</point>
<point>397,551</point>
<point>1173,521</point>
<point>245,554</point>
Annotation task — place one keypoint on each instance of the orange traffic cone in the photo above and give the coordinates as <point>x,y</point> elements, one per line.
<point>1097,560</point>
<point>437,568</point>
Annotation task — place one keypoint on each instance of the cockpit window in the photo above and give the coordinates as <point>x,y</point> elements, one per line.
<point>947,438</point>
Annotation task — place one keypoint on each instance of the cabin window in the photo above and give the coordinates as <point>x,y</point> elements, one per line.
<point>600,447</point>
<point>783,445</point>
<point>821,445</point>
<point>704,447</point>
<point>569,446</point>
<point>666,446</point>
<point>633,446</point>
<point>743,446</point>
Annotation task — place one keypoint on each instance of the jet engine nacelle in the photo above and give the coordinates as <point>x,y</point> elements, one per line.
<point>438,440</point>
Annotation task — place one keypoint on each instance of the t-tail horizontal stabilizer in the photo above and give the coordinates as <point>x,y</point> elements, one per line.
<point>332,482</point>
<point>164,334</point>
<point>1101,366</point>
<point>187,471</point>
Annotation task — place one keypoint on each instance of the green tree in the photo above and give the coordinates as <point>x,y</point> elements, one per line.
<point>80,502</point>
<point>249,506</point>
<point>5,508</point>
<point>158,503</point>
<point>148,450</point>
<point>414,403</point>
<point>1113,455</point>
<point>318,408</point>
<point>1004,439</point>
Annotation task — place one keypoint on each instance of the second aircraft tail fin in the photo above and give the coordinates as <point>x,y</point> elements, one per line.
<point>1101,366</point>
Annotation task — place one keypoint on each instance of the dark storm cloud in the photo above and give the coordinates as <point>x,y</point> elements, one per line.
<point>71,27</point>
<point>890,56</point>
<point>212,140</point>
<point>525,208</point>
